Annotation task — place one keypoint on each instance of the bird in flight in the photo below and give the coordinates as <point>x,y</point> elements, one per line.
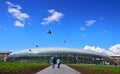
<point>49,32</point>
<point>37,46</point>
<point>64,41</point>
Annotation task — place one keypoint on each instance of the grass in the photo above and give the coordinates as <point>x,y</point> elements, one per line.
<point>96,69</point>
<point>7,67</point>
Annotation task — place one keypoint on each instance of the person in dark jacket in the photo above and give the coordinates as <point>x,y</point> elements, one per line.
<point>53,62</point>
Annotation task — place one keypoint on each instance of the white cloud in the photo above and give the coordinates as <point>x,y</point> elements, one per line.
<point>92,48</point>
<point>113,50</point>
<point>84,35</point>
<point>5,28</point>
<point>90,22</point>
<point>82,28</point>
<point>13,5</point>
<point>104,30</point>
<point>19,24</point>
<point>15,10</point>
<point>102,18</point>
<point>55,17</point>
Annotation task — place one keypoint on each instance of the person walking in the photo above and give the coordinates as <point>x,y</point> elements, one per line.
<point>58,62</point>
<point>53,62</point>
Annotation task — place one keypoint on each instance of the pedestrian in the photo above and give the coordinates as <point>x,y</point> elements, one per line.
<point>58,62</point>
<point>115,64</point>
<point>53,62</point>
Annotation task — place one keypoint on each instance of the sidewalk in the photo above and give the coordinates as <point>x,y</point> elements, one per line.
<point>64,69</point>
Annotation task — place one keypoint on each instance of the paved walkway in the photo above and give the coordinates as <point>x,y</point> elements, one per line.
<point>64,69</point>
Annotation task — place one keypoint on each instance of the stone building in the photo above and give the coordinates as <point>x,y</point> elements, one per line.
<point>115,59</point>
<point>3,55</point>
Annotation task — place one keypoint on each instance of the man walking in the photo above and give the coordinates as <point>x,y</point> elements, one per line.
<point>53,62</point>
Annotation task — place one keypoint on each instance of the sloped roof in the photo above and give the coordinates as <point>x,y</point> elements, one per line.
<point>55,50</point>
<point>5,52</point>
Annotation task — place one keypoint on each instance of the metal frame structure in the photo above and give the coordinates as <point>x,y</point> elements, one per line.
<point>67,55</point>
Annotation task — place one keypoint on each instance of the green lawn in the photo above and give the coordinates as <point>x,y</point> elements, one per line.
<point>15,66</point>
<point>99,68</point>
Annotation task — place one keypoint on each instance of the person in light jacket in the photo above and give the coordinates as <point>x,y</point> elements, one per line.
<point>58,62</point>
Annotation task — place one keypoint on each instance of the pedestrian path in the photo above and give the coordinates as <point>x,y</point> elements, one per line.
<point>64,69</point>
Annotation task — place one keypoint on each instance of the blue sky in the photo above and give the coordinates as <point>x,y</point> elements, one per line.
<point>24,24</point>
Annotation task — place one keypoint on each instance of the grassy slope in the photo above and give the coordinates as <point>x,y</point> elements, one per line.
<point>97,68</point>
<point>14,66</point>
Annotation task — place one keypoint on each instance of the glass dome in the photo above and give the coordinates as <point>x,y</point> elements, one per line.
<point>68,55</point>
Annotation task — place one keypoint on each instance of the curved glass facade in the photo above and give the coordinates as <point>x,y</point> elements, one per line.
<point>67,55</point>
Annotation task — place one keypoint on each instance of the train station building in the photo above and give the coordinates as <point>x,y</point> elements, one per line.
<point>67,55</point>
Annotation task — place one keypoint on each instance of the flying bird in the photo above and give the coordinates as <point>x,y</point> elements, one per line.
<point>49,32</point>
<point>64,41</point>
<point>37,46</point>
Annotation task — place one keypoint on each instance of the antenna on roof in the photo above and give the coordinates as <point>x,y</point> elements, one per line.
<point>30,50</point>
